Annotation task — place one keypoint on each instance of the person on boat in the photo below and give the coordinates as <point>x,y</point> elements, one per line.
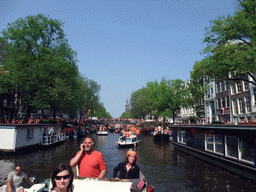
<point>62,178</point>
<point>137,133</point>
<point>51,131</point>
<point>15,178</point>
<point>127,169</point>
<point>90,162</point>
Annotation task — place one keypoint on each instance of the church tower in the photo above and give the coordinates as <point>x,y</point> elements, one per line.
<point>127,105</point>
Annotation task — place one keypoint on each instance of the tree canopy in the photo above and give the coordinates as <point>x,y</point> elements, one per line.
<point>231,40</point>
<point>40,63</point>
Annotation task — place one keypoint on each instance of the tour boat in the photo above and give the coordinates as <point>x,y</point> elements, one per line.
<point>131,141</point>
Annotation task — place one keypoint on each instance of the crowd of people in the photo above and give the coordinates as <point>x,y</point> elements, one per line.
<point>90,163</point>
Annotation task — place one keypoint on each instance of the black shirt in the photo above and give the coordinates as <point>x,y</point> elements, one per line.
<point>133,173</point>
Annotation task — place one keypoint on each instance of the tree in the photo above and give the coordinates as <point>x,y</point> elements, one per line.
<point>196,86</point>
<point>231,40</point>
<point>125,115</point>
<point>139,102</point>
<point>92,96</point>
<point>100,111</point>
<point>41,64</point>
<point>174,96</point>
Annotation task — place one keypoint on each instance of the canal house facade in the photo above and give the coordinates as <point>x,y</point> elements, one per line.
<point>241,104</point>
<point>210,102</point>
<point>222,101</point>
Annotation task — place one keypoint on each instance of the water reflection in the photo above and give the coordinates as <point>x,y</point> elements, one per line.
<point>165,168</point>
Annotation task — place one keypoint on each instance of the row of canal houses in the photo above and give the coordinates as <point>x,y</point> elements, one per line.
<point>226,101</point>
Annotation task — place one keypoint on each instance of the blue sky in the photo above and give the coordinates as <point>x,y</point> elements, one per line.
<point>123,44</point>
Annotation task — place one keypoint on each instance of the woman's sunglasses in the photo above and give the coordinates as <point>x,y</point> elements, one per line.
<point>64,177</point>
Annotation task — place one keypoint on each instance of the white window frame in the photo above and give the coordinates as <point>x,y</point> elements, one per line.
<point>227,101</point>
<point>247,104</point>
<point>240,105</point>
<point>239,87</point>
<point>181,134</point>
<point>246,85</point>
<point>234,106</point>
<point>233,89</point>
<point>239,147</point>
<point>226,148</point>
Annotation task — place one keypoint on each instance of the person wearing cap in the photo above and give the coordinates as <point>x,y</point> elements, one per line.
<point>127,169</point>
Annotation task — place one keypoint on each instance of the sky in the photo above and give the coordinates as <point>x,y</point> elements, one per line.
<point>123,44</point>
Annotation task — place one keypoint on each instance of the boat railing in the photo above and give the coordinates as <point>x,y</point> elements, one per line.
<point>50,139</point>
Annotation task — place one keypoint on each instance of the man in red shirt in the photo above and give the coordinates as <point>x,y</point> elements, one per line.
<point>90,162</point>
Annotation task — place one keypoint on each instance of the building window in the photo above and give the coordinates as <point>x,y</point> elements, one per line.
<point>218,87</point>
<point>241,105</point>
<point>233,91</point>
<point>246,149</point>
<point>219,103</point>
<point>239,87</point>
<point>246,85</point>
<point>222,86</point>
<point>226,85</point>
<point>181,136</point>
<point>218,144</point>
<point>227,102</point>
<point>223,102</point>
<point>234,107</point>
<point>231,146</point>
<point>209,141</point>
<point>247,104</point>
<point>254,94</point>
<point>30,133</point>
<point>211,90</point>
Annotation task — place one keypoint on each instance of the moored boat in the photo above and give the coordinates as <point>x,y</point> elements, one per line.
<point>162,136</point>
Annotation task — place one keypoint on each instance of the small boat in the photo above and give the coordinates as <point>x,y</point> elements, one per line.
<point>131,141</point>
<point>162,136</point>
<point>102,133</point>
<point>111,129</point>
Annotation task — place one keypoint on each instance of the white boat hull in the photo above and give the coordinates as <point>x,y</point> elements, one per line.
<point>102,132</point>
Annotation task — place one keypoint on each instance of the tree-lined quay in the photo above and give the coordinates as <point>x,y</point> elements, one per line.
<point>39,71</point>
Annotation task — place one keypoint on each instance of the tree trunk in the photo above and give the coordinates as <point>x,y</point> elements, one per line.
<point>28,113</point>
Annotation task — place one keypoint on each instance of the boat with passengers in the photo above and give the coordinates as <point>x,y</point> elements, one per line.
<point>161,134</point>
<point>131,140</point>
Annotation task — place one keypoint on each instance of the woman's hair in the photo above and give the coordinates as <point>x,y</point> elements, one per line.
<point>126,159</point>
<point>62,167</point>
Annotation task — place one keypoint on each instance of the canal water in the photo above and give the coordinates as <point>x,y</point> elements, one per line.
<point>164,167</point>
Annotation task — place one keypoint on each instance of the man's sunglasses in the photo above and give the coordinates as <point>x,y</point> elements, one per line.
<point>64,177</point>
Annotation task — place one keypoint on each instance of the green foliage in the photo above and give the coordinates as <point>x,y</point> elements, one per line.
<point>231,44</point>
<point>139,103</point>
<point>164,98</point>
<point>125,115</point>
<point>192,119</point>
<point>40,63</point>
<point>174,96</point>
